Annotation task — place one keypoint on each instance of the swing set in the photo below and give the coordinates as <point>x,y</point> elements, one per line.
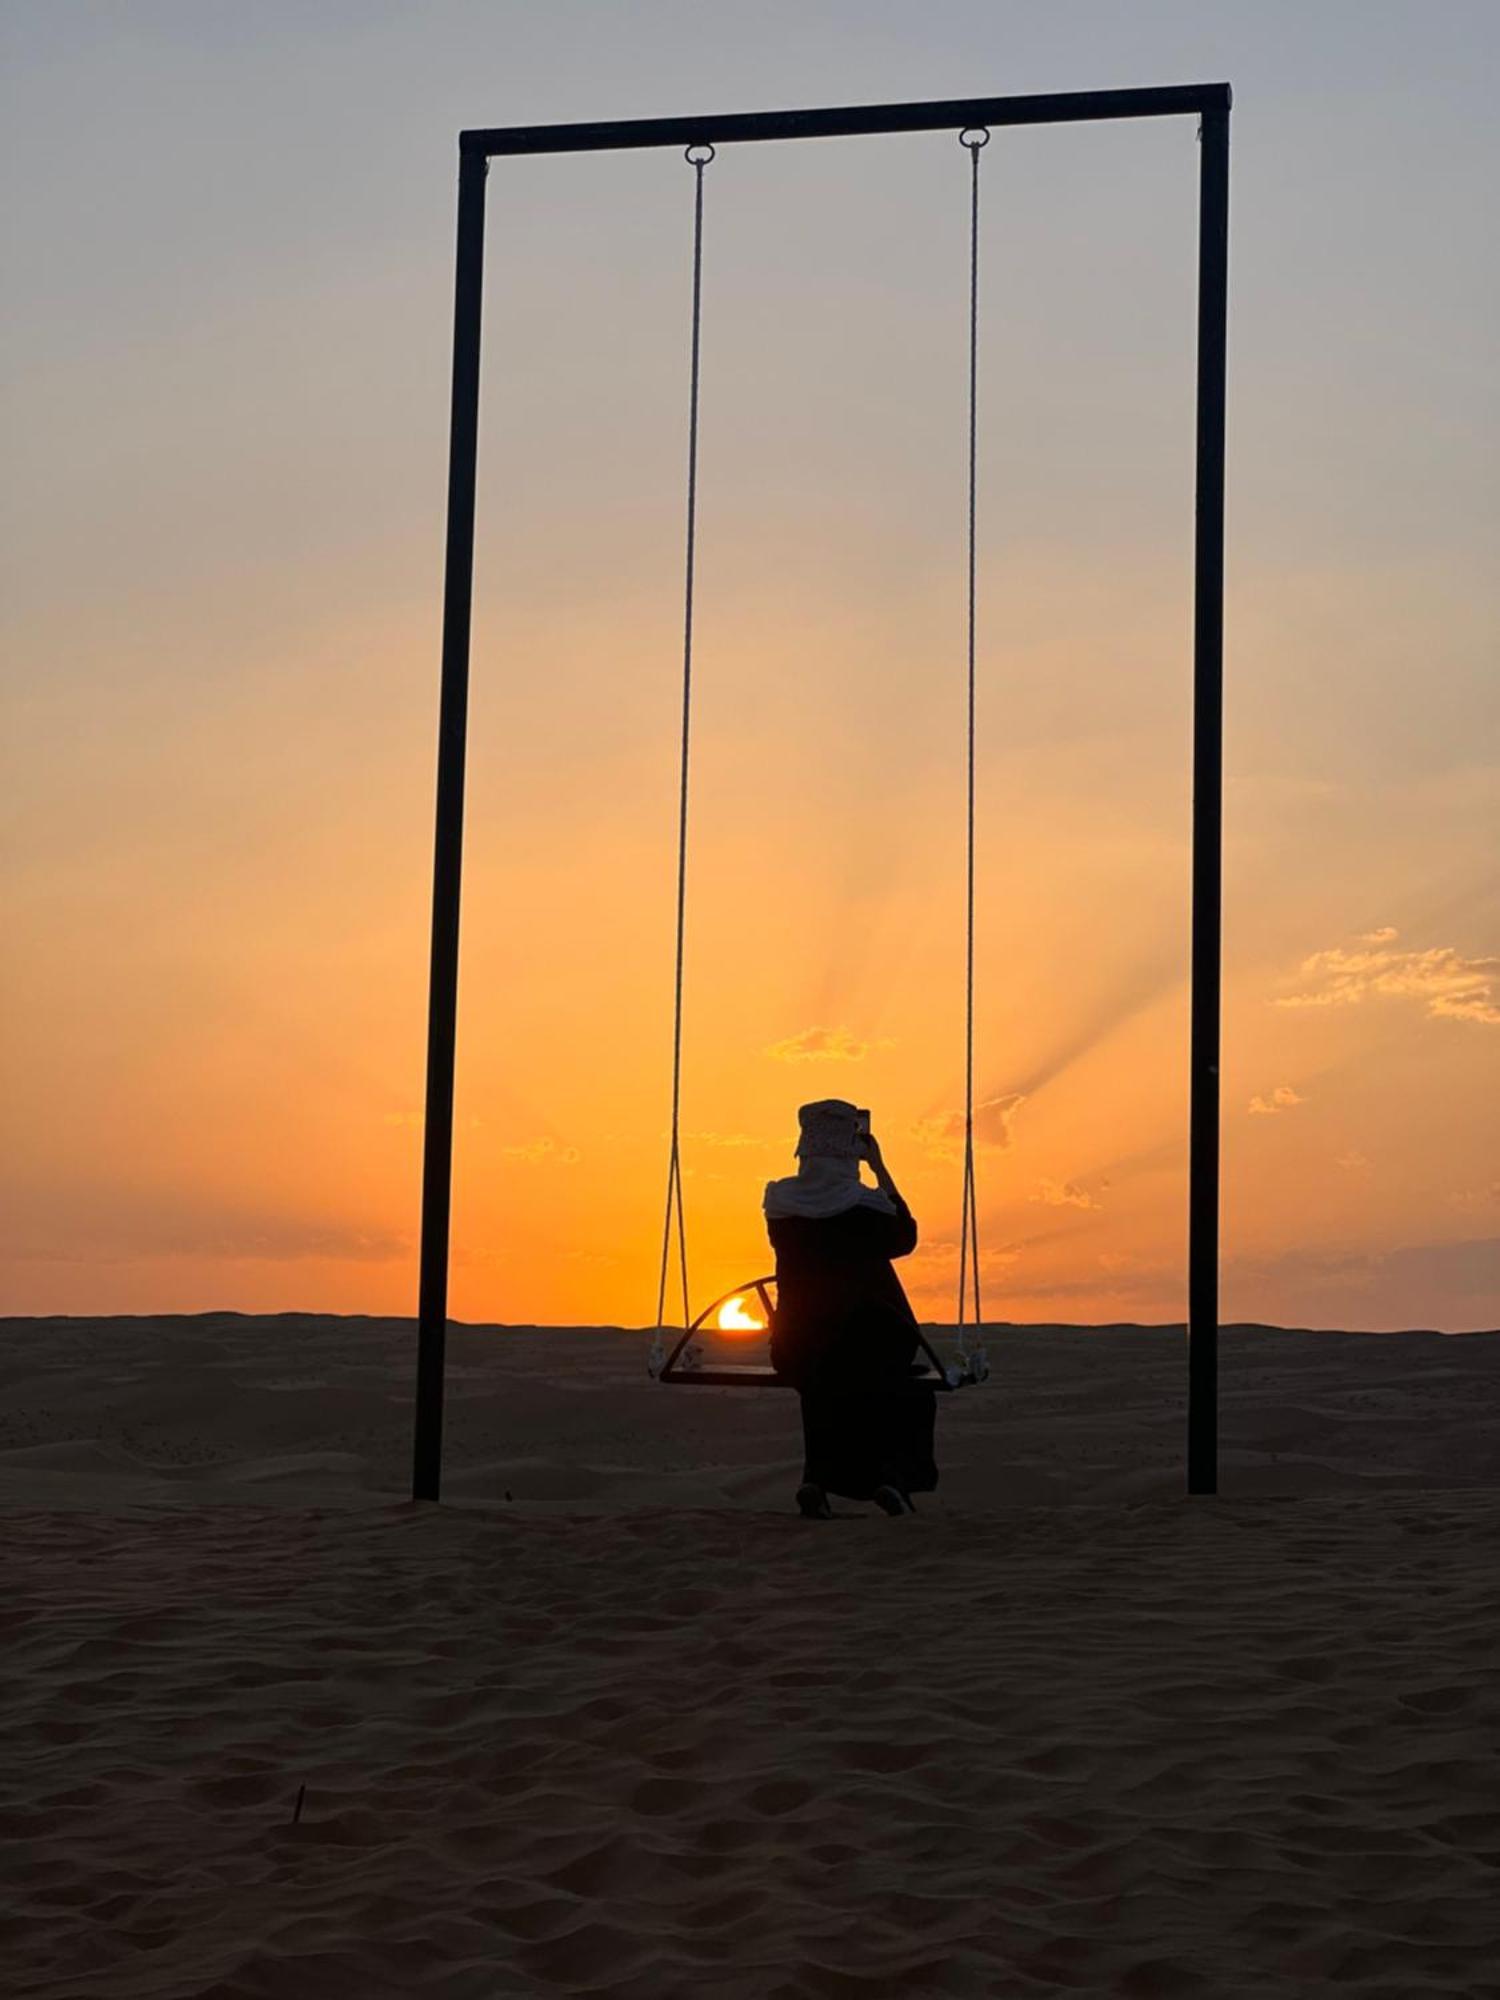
<point>699,138</point>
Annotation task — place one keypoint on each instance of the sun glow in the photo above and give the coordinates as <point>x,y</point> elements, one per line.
<point>733,1318</point>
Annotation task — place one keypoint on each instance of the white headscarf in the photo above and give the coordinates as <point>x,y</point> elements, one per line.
<point>827,1179</point>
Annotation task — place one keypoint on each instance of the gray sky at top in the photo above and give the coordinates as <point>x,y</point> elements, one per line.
<point>228,260</point>
<point>228,228</point>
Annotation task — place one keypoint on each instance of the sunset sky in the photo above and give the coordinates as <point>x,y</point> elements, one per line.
<point>228,273</point>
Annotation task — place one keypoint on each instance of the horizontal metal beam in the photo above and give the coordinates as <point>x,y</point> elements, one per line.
<point>849,121</point>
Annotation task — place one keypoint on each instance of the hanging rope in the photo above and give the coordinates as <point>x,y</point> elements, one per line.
<point>698,158</point>
<point>974,141</point>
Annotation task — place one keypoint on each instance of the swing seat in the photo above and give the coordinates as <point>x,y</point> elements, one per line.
<point>681,1370</point>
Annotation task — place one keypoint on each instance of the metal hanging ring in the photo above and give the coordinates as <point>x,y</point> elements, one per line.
<point>699,156</point>
<point>973,137</point>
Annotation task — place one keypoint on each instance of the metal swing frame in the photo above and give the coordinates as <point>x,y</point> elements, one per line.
<point>1210,104</point>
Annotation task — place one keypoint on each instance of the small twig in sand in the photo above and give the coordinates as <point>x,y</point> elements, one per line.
<point>297,1809</point>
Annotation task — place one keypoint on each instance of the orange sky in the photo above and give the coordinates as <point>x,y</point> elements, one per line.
<point>222,644</point>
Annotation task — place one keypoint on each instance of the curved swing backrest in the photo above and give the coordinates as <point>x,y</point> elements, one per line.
<point>681,1365</point>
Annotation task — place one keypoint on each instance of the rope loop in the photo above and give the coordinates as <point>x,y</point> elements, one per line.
<point>973,138</point>
<point>698,158</point>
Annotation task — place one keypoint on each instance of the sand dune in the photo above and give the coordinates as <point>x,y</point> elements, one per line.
<point>637,1731</point>
<point>183,1408</point>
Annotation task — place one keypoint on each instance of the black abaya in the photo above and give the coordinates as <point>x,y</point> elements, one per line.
<point>846,1335</point>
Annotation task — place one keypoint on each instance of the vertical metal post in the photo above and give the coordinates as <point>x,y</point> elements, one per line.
<point>447,866</point>
<point>1208,810</point>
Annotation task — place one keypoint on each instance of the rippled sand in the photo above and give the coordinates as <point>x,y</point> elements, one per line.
<point>639,1731</point>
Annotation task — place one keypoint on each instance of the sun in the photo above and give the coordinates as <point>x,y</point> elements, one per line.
<point>734,1319</point>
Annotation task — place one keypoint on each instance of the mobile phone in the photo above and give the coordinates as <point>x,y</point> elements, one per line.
<point>862,1123</point>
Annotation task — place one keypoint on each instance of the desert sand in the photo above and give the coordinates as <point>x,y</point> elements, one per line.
<point>612,1720</point>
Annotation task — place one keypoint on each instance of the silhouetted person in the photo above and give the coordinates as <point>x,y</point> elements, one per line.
<point>844,1332</point>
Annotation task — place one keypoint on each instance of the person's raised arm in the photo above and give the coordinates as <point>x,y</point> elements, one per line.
<point>904,1228</point>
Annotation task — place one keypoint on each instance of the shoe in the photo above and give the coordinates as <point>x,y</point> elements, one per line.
<point>891,1500</point>
<point>812,1503</point>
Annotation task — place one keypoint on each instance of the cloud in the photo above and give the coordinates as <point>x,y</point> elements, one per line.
<point>730,1139</point>
<point>1448,985</point>
<point>543,1152</point>
<point>824,1045</point>
<point>1411,1285</point>
<point>935,1259</point>
<point>228,1236</point>
<point>1064,1194</point>
<point>1282,1098</point>
<point>1154,1290</point>
<point>1471,1198</point>
<point>942,1138</point>
<point>1353,1161</point>
<point>286,1239</point>
<point>1387,934</point>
